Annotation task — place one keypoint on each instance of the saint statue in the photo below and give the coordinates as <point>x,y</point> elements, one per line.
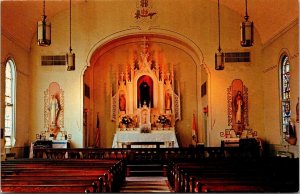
<point>238,102</point>
<point>168,101</point>
<point>122,103</point>
<point>54,109</point>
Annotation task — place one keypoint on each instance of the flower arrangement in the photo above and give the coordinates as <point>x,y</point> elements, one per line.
<point>126,120</point>
<point>162,119</point>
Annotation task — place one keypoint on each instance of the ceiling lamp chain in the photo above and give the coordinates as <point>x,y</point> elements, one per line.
<point>247,28</point>
<point>44,30</point>
<point>70,57</point>
<point>219,56</point>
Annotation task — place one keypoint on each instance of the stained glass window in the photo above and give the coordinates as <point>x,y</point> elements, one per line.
<point>285,95</point>
<point>9,103</point>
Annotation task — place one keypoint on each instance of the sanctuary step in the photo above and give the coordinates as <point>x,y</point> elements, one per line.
<point>145,185</point>
<point>145,170</point>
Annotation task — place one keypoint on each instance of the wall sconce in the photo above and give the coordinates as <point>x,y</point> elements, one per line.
<point>247,31</point>
<point>70,57</point>
<point>219,56</point>
<point>43,30</point>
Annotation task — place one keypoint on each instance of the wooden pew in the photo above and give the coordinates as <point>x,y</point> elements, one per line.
<point>89,174</point>
<point>66,188</point>
<point>257,175</point>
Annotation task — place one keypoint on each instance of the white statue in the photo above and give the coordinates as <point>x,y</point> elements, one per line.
<point>53,108</point>
<point>239,107</point>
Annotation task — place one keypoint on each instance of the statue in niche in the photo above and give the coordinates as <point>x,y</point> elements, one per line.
<point>145,94</point>
<point>168,101</point>
<point>122,102</point>
<point>54,109</point>
<point>238,102</point>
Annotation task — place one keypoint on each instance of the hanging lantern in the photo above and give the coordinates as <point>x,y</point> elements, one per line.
<point>219,60</point>
<point>70,57</point>
<point>219,56</point>
<point>247,31</point>
<point>43,30</point>
<point>70,61</point>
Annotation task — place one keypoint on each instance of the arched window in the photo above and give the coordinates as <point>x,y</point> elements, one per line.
<point>10,97</point>
<point>285,95</point>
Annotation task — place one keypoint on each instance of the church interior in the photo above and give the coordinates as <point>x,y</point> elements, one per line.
<point>118,86</point>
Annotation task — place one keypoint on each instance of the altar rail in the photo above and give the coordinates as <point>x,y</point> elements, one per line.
<point>132,154</point>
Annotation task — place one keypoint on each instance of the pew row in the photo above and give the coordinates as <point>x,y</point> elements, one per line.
<point>62,175</point>
<point>232,175</point>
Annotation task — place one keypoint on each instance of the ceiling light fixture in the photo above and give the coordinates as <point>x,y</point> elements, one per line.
<point>43,30</point>
<point>219,56</point>
<point>247,31</point>
<point>70,57</point>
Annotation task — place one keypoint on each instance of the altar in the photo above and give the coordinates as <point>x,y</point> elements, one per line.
<point>167,136</point>
<point>145,104</point>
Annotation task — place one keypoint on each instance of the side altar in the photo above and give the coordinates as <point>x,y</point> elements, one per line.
<point>144,102</point>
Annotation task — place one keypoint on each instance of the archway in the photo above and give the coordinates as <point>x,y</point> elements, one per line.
<point>117,56</point>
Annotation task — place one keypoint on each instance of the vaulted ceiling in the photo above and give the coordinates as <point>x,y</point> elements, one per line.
<point>19,18</point>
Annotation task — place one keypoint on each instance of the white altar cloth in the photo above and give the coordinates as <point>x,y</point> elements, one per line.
<point>168,137</point>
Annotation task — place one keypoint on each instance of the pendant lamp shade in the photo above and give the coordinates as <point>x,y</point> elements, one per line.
<point>219,56</point>
<point>247,27</point>
<point>70,57</point>
<point>43,30</point>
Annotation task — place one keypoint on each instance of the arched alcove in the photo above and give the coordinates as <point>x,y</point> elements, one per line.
<point>145,91</point>
<point>111,61</point>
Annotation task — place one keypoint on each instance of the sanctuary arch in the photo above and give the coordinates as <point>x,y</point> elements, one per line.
<point>135,86</point>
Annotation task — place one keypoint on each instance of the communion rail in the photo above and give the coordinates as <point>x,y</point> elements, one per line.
<point>134,154</point>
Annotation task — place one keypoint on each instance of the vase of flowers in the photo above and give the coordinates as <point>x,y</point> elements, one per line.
<point>126,120</point>
<point>162,119</point>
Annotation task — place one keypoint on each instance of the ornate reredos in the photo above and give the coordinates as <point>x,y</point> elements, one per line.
<point>145,82</point>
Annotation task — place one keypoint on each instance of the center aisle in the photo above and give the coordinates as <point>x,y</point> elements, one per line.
<point>145,185</point>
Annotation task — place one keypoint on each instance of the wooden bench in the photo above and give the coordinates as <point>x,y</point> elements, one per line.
<point>62,175</point>
<point>70,188</point>
<point>233,175</point>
